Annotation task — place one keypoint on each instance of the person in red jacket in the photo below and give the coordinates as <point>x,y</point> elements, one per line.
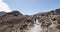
<point>38,17</point>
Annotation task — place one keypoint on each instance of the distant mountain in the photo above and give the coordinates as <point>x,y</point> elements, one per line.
<point>2,13</point>
<point>54,12</point>
<point>57,11</point>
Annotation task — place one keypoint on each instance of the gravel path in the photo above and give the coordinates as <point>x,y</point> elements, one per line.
<point>36,28</point>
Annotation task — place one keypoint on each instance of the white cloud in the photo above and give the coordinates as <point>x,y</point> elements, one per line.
<point>4,7</point>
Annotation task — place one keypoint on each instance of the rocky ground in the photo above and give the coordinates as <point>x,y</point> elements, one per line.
<point>17,22</point>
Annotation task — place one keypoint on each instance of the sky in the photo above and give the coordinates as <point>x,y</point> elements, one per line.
<point>4,6</point>
<point>29,7</point>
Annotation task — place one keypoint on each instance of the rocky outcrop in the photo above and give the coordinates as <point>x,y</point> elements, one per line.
<point>13,21</point>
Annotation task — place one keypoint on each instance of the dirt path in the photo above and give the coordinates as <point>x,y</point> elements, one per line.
<point>36,28</point>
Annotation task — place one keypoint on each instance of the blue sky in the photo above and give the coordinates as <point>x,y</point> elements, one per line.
<point>29,7</point>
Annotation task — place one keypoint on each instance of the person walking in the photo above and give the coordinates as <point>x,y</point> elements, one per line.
<point>38,18</point>
<point>35,18</point>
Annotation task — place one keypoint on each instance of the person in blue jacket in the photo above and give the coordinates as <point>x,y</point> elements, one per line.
<point>35,18</point>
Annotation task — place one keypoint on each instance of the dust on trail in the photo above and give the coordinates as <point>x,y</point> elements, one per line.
<point>36,28</point>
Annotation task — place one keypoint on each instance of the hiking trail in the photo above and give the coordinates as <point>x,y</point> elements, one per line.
<point>36,28</point>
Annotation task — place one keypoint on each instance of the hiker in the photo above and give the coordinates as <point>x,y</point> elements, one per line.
<point>38,17</point>
<point>35,18</point>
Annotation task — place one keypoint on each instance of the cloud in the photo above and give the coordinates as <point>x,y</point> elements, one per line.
<point>4,7</point>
